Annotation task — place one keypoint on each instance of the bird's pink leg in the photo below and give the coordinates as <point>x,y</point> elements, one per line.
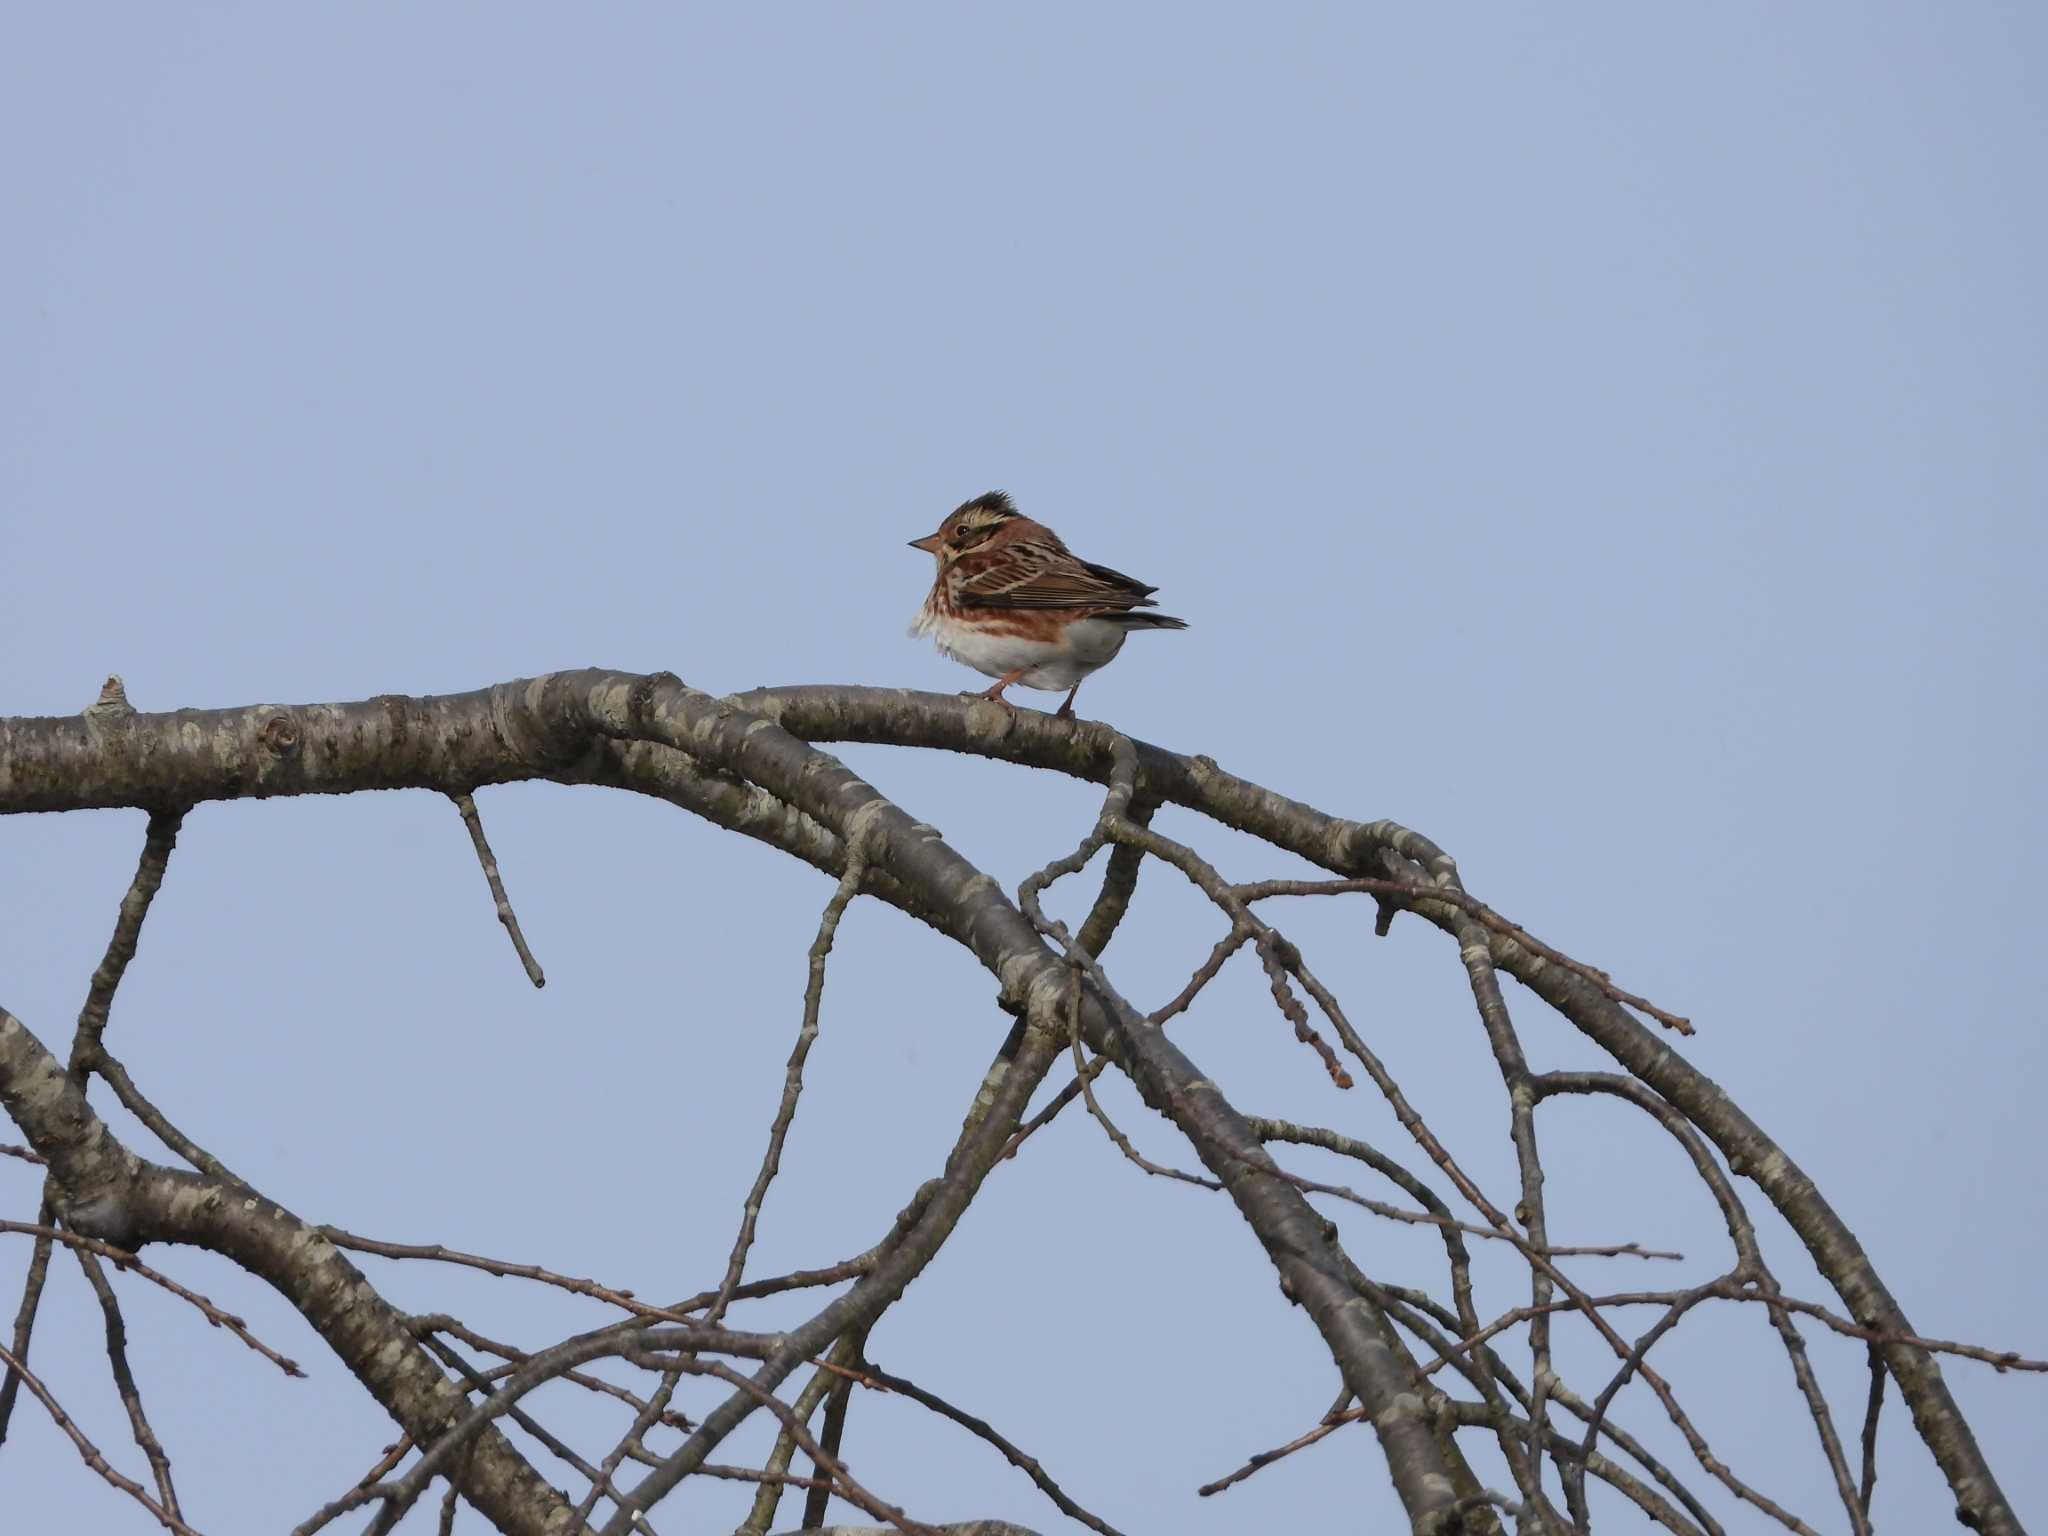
<point>995,694</point>
<point>1066,710</point>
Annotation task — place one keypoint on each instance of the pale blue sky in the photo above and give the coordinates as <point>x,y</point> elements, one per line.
<point>1607,439</point>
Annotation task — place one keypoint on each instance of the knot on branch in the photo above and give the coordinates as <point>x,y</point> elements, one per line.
<point>279,736</point>
<point>113,699</point>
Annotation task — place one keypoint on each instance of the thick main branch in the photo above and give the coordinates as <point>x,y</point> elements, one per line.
<point>764,781</point>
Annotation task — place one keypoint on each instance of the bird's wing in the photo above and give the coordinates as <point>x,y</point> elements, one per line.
<point>1028,574</point>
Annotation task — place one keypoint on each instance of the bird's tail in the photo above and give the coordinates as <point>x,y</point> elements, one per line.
<point>1147,620</point>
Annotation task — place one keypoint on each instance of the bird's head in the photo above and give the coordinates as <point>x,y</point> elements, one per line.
<point>968,525</point>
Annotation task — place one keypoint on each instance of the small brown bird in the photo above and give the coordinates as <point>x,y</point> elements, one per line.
<point>1012,602</point>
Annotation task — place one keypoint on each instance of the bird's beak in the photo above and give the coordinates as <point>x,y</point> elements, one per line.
<point>929,543</point>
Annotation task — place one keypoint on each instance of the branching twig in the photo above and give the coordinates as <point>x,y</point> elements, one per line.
<point>130,1263</point>
<point>1737,1288</point>
<point>828,1465</point>
<point>742,763</point>
<point>90,1453</point>
<point>837,1403</point>
<point>159,838</point>
<point>875,1376</point>
<point>680,1312</point>
<point>1407,894</point>
<point>598,1478</point>
<point>538,1370</point>
<point>440,1322</point>
<point>359,1493</point>
<point>1123,1142</point>
<point>768,1497</point>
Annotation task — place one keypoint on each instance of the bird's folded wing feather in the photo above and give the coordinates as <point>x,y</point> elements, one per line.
<point>1035,576</point>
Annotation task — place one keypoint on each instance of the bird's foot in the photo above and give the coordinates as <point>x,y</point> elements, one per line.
<point>992,695</point>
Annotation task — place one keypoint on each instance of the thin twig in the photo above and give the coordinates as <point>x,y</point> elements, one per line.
<point>1530,1212</point>
<point>768,1497</point>
<point>873,1376</point>
<point>1212,884</point>
<point>1123,1142</point>
<point>359,1493</point>
<point>682,1312</point>
<point>440,1322</point>
<point>831,1466</point>
<point>87,1451</point>
<point>1497,1419</point>
<point>1402,890</point>
<point>1870,1413</point>
<point>25,1314</point>
<point>1470,1229</point>
<point>1480,1368</point>
<point>130,1263</point>
<point>645,1419</point>
<point>540,1369</point>
<point>158,840</point>
<point>793,1074</point>
<point>1072,1088</point>
<point>1277,954</point>
<point>110,1071</point>
<point>1329,1425</point>
<point>819,1499</point>
<point>1274,954</point>
<point>1239,935</point>
<point>756,1475</point>
<point>1816,1400</point>
<point>1069,1091</point>
<point>1735,1288</point>
<point>466,804</point>
<point>599,1480</point>
<point>124,1381</point>
<point>1516,1438</point>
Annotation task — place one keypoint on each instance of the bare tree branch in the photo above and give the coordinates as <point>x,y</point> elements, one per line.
<point>124,1382</point>
<point>158,840</point>
<point>793,1076</point>
<point>466,804</point>
<point>751,764</point>
<point>90,1453</point>
<point>122,1199</point>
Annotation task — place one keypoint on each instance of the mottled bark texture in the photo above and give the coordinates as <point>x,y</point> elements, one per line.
<point>750,763</point>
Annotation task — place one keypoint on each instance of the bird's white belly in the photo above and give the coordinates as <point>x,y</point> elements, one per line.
<point>1084,645</point>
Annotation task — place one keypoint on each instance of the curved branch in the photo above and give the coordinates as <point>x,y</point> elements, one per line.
<point>118,1197</point>
<point>1384,848</point>
<point>741,762</point>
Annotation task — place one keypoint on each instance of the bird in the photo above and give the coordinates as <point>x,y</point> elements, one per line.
<point>1014,603</point>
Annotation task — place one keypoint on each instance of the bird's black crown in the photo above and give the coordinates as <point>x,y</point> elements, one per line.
<point>995,503</point>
